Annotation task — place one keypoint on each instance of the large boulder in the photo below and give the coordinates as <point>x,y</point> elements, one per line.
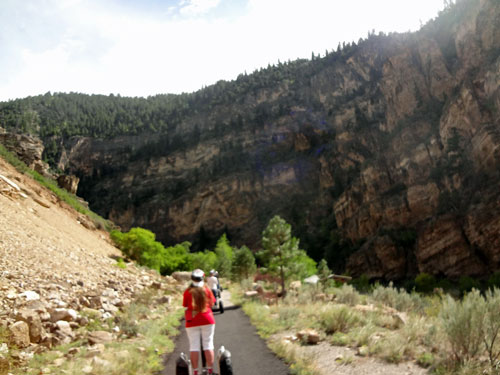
<point>31,317</point>
<point>182,276</point>
<point>99,337</point>
<point>20,334</point>
<point>68,315</point>
<point>68,182</point>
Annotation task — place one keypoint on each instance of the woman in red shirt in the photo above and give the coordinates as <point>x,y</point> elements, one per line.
<point>200,322</point>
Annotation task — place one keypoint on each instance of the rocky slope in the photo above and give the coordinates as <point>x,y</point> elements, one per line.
<point>384,156</point>
<point>55,272</point>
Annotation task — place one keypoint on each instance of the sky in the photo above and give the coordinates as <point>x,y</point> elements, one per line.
<point>149,47</point>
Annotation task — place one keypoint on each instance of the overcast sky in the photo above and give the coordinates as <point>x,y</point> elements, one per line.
<point>148,47</point>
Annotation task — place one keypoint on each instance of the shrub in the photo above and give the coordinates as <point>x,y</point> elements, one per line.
<point>323,272</point>
<point>425,283</point>
<point>205,260</point>
<point>445,284</point>
<point>362,284</point>
<point>347,294</point>
<point>463,325</point>
<point>140,245</point>
<point>287,315</point>
<point>399,299</point>
<point>243,263</point>
<point>425,360</point>
<point>339,319</point>
<point>362,336</point>
<point>467,283</point>
<point>494,280</point>
<point>339,339</point>
<point>492,326</point>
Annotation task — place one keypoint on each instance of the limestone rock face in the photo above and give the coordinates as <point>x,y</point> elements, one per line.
<point>29,149</point>
<point>70,183</point>
<point>380,259</point>
<point>443,249</point>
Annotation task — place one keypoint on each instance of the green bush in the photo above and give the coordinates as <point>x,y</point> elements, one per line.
<point>362,284</point>
<point>205,260</point>
<point>347,294</point>
<point>140,245</point>
<point>494,280</point>
<point>446,285</point>
<point>243,263</point>
<point>339,319</point>
<point>467,283</point>
<point>399,299</point>
<point>462,322</point>
<point>492,326</point>
<point>425,283</point>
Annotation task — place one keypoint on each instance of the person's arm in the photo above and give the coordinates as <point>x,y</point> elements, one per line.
<point>186,302</point>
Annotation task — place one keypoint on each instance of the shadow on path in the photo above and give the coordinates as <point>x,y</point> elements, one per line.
<point>250,355</point>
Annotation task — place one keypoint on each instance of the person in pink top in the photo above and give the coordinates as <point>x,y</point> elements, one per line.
<point>200,322</point>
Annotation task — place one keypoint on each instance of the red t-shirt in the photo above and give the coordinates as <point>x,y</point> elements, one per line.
<point>199,319</point>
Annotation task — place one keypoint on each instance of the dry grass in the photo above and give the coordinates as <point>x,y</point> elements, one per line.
<point>300,363</point>
<point>392,325</point>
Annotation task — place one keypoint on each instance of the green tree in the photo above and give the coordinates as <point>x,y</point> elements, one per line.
<point>224,253</point>
<point>243,263</point>
<point>176,259</point>
<point>281,254</point>
<point>205,260</point>
<point>134,243</point>
<point>323,272</point>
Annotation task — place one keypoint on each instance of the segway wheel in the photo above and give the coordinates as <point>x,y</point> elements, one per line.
<point>221,307</point>
<point>225,364</point>
<point>182,365</point>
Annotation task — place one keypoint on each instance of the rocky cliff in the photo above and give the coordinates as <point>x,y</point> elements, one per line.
<point>383,155</point>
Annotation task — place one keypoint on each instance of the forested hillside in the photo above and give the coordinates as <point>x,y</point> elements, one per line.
<point>382,154</point>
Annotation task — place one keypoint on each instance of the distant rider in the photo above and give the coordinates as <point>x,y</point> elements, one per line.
<point>213,283</point>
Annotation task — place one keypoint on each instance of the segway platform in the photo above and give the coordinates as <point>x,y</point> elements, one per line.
<point>219,305</point>
<point>183,364</point>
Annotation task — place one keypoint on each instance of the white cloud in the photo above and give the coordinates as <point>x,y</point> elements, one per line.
<point>197,7</point>
<point>87,46</point>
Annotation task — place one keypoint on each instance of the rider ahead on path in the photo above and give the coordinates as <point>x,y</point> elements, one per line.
<point>213,283</point>
<point>200,322</point>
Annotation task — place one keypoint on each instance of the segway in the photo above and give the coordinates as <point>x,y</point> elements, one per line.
<point>219,305</point>
<point>183,364</point>
<point>223,359</point>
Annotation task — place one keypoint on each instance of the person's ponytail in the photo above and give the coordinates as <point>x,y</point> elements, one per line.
<point>199,298</point>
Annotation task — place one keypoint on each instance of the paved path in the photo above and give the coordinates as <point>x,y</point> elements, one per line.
<point>250,355</point>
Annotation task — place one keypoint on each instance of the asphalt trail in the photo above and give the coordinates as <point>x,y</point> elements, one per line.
<point>250,355</point>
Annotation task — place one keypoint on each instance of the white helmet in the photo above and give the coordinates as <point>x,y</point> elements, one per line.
<point>197,277</point>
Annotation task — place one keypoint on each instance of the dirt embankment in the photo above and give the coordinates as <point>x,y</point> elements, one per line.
<point>54,271</point>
